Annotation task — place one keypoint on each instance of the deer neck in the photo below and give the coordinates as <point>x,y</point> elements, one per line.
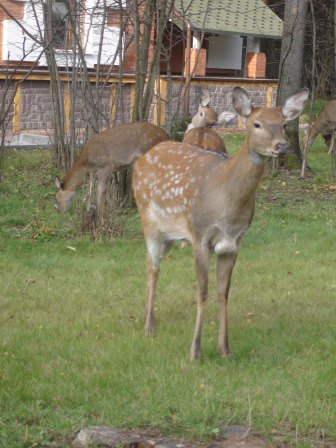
<point>314,131</point>
<point>244,174</point>
<point>75,176</point>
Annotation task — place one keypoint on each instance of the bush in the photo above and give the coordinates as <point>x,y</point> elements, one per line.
<point>178,128</point>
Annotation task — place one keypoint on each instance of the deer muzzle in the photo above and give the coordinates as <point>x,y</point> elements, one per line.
<point>282,148</point>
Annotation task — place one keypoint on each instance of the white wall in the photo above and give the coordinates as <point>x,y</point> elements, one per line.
<point>225,52</point>
<point>19,46</point>
<point>92,31</point>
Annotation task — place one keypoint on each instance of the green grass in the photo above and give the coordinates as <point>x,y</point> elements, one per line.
<point>72,350</point>
<point>318,106</point>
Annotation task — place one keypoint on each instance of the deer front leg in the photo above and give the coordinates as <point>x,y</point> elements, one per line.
<point>202,260</point>
<point>89,199</point>
<point>103,176</point>
<point>225,264</point>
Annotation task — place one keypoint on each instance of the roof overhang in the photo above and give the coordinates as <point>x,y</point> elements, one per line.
<point>238,17</point>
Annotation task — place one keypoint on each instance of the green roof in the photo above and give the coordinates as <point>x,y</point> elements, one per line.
<point>242,17</point>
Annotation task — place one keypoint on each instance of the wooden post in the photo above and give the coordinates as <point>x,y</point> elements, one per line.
<point>160,95</point>
<point>269,96</point>
<point>163,100</point>
<point>17,109</point>
<point>66,100</point>
<point>113,103</point>
<point>132,86</point>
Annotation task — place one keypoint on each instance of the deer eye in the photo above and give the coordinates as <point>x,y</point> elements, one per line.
<point>201,114</point>
<point>257,125</point>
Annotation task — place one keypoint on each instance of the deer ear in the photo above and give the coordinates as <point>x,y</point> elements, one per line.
<point>225,116</point>
<point>295,104</point>
<point>58,183</point>
<point>205,98</point>
<point>241,102</point>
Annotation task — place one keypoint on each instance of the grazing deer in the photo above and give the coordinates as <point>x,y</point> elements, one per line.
<point>199,132</point>
<point>105,152</point>
<point>325,124</point>
<point>186,193</point>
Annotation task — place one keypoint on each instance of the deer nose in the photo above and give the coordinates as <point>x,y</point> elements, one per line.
<point>282,148</point>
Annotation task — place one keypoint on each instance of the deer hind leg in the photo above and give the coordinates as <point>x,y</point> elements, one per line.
<point>202,260</point>
<point>225,264</point>
<point>157,246</point>
<point>103,176</point>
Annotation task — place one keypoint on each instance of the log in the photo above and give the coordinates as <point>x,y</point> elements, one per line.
<point>114,438</point>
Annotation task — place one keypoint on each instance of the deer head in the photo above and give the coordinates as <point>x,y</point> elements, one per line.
<point>63,197</point>
<point>265,128</point>
<point>206,115</point>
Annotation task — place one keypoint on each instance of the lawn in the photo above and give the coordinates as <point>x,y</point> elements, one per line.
<point>72,348</point>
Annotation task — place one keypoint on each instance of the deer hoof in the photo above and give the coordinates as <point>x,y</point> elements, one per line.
<point>195,354</point>
<point>149,329</point>
<point>225,353</point>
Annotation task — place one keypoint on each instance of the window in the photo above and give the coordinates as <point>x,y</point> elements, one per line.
<point>225,52</point>
<point>59,23</point>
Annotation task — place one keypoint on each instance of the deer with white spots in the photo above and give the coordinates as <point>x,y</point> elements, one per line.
<point>199,132</point>
<point>187,193</point>
<point>108,151</point>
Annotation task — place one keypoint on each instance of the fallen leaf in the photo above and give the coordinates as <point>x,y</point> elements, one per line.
<point>30,281</point>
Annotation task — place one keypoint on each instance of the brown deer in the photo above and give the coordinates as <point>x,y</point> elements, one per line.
<point>206,138</point>
<point>186,193</point>
<point>325,124</point>
<point>199,132</point>
<point>105,152</point>
<point>206,116</point>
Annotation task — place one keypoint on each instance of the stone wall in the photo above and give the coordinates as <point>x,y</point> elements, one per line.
<point>35,106</point>
<point>262,94</point>
<point>33,113</point>
<point>7,93</point>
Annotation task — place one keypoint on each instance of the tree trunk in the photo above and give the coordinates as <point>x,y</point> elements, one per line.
<point>291,63</point>
<point>334,42</point>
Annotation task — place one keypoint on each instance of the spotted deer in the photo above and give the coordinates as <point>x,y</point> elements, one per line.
<point>199,132</point>
<point>186,193</point>
<point>104,153</point>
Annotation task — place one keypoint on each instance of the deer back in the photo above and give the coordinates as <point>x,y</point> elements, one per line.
<point>205,138</point>
<point>121,145</point>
